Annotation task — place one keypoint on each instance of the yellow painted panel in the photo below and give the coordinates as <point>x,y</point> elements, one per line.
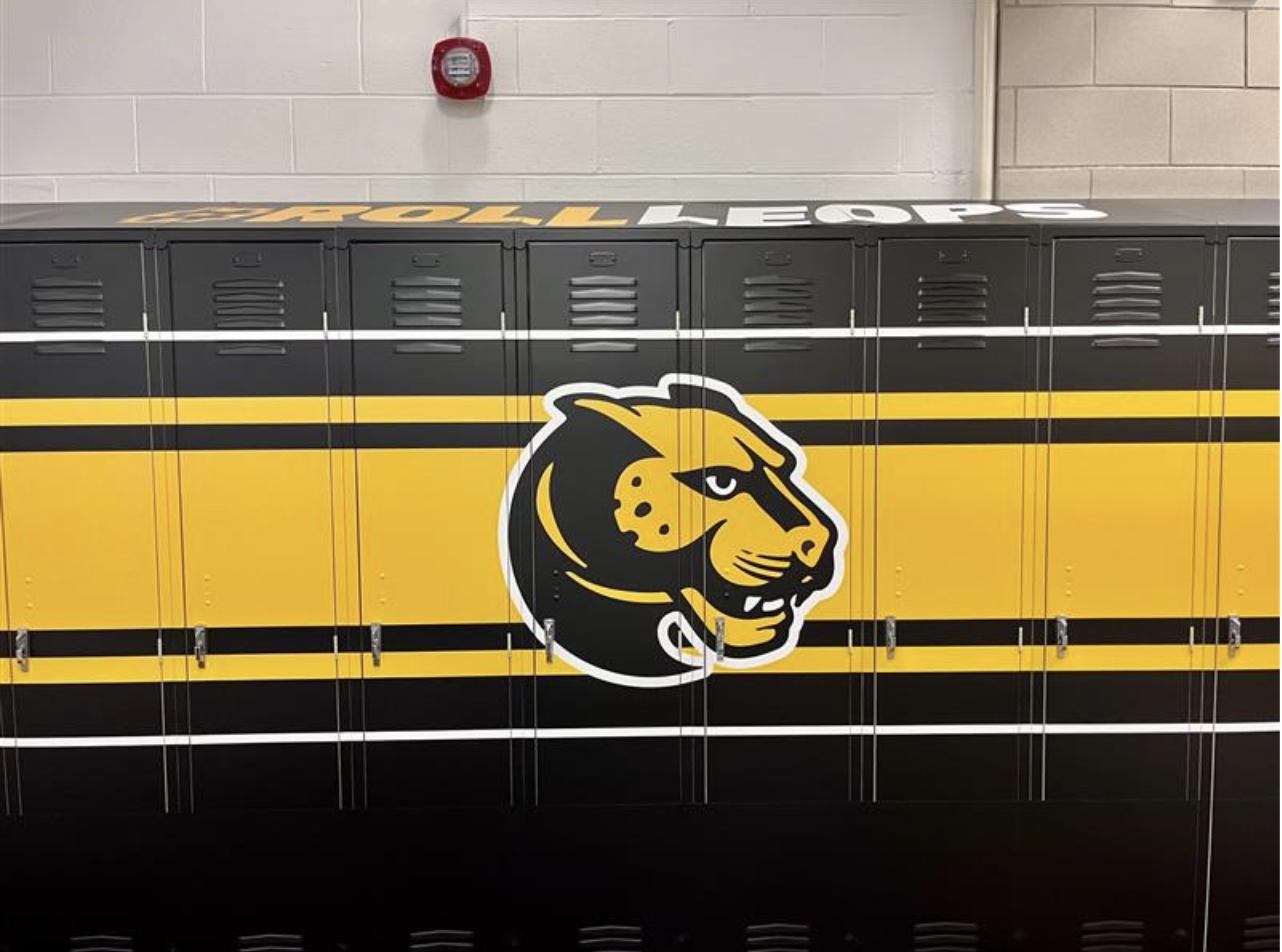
<point>257,537</point>
<point>491,664</point>
<point>1121,530</point>
<point>429,535</point>
<point>80,539</point>
<point>1249,533</point>
<point>948,531</point>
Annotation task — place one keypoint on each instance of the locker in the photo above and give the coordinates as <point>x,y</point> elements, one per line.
<point>79,534</point>
<point>950,514</point>
<point>808,390</point>
<point>432,594</point>
<point>1242,762</point>
<point>8,778</point>
<point>606,716</point>
<point>255,483</point>
<point>1125,429</point>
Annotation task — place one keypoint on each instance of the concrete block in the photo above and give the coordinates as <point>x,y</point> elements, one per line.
<point>1224,127</point>
<point>1137,46</point>
<point>198,134</point>
<point>67,134</point>
<point>282,46</point>
<point>593,57</point>
<point>369,135</point>
<point>1059,127</point>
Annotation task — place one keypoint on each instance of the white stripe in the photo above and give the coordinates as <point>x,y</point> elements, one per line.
<point>732,333</point>
<point>624,733</point>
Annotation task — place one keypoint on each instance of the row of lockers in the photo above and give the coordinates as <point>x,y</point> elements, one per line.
<point>636,284</point>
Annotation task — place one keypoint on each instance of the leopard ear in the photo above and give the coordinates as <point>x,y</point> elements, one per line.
<point>607,407</point>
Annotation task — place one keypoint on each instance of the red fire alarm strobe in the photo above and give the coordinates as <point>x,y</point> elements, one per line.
<point>461,68</point>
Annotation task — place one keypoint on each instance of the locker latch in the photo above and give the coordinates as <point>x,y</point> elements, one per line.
<point>1061,636</point>
<point>200,644</point>
<point>720,627</point>
<point>1235,635</point>
<point>376,643</point>
<point>22,649</point>
<point>549,637</point>
<point>892,639</point>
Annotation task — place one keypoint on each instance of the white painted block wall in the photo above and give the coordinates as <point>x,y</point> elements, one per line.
<point>330,99</point>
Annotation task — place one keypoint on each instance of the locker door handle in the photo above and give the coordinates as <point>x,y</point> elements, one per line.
<point>952,343</point>
<point>79,349</point>
<point>22,649</point>
<point>1235,635</point>
<point>604,347</point>
<point>252,350</point>
<point>1125,343</point>
<point>720,628</point>
<point>1061,636</point>
<point>376,643</point>
<point>200,644</point>
<point>892,637</point>
<point>549,638</point>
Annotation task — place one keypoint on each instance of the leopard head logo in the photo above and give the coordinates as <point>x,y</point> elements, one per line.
<point>654,534</point>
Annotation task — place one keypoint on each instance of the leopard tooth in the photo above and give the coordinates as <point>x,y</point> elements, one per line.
<point>773,605</point>
<point>750,603</point>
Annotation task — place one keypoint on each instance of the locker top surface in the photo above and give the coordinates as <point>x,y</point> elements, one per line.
<point>799,216</point>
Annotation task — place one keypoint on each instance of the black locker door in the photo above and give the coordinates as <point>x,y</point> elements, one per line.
<point>255,472</point>
<point>782,466</point>
<point>431,464</point>
<point>596,536</point>
<point>1126,434</point>
<point>79,530</point>
<point>1243,888</point>
<point>952,461</point>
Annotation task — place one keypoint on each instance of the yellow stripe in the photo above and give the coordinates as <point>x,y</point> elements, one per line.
<point>122,411</point>
<point>491,664</point>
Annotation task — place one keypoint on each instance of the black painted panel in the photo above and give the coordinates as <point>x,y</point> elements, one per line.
<point>427,285</point>
<point>250,285</point>
<point>1142,280</point>
<point>69,287</point>
<point>782,283</point>
<point>953,282</point>
<point>577,285</point>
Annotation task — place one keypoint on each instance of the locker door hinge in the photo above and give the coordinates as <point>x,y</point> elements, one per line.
<point>376,643</point>
<point>200,644</point>
<point>1235,635</point>
<point>549,638</point>
<point>22,649</point>
<point>892,637</point>
<point>1061,636</point>
<point>721,638</point>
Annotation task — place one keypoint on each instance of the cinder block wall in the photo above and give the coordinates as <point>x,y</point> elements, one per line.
<point>1138,98</point>
<point>329,99</point>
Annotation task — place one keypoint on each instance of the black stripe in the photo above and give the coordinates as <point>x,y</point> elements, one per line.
<point>287,436</point>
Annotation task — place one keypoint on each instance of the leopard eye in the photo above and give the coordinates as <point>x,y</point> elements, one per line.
<point>721,485</point>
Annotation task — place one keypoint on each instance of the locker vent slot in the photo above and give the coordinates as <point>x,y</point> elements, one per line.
<point>611,938</point>
<point>945,937</point>
<point>603,300</point>
<point>270,942</point>
<point>776,937</point>
<point>67,302</point>
<point>1113,935</point>
<point>774,300</point>
<point>1260,934</point>
<point>1126,297</point>
<point>427,301</point>
<point>442,940</point>
<point>952,299</point>
<point>101,943</point>
<point>249,302</point>
<point>1273,295</point>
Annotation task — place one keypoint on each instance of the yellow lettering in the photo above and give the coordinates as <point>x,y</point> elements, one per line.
<point>188,215</point>
<point>310,214</point>
<point>580,216</point>
<point>415,213</point>
<point>499,215</point>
